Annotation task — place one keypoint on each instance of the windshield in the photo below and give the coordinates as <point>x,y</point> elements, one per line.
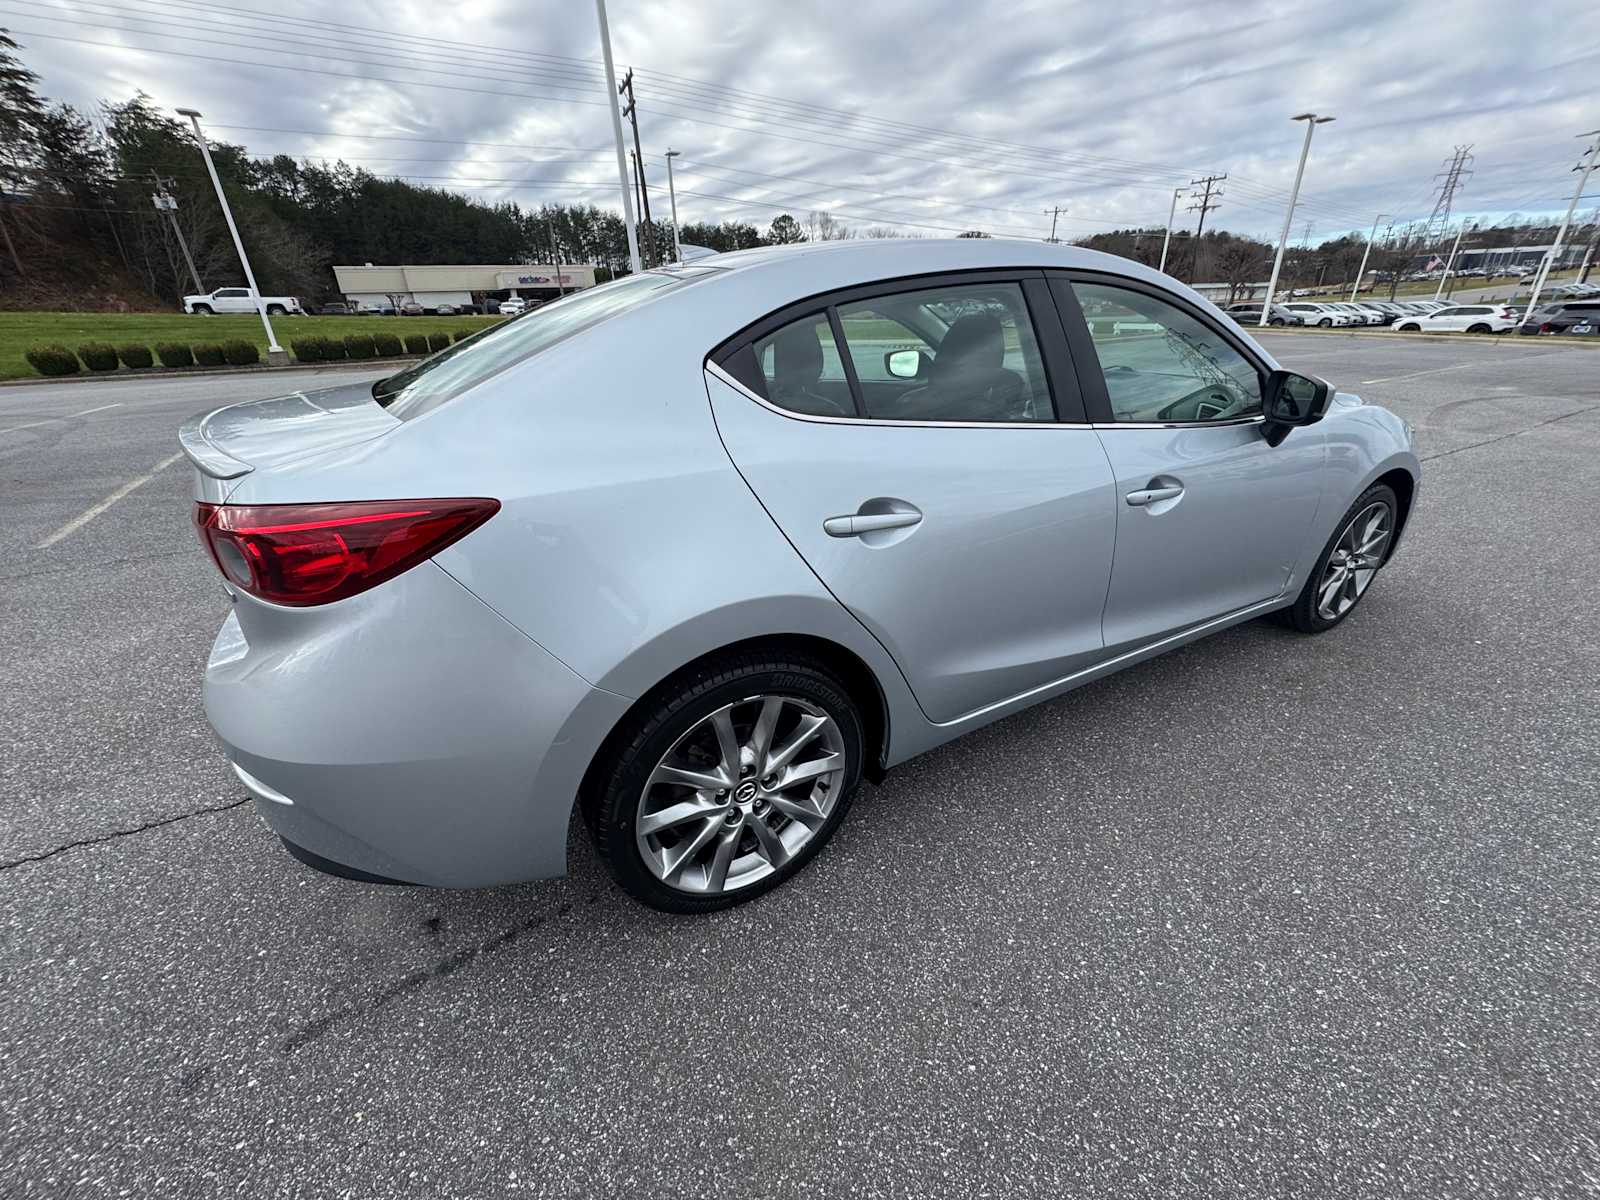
<point>433,381</point>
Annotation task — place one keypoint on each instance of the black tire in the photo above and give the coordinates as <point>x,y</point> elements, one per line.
<point>1303,614</point>
<point>1275,321</point>
<point>611,800</point>
<point>276,310</point>
<point>202,310</point>
<point>1409,327</point>
<point>1326,322</point>
<point>1480,327</point>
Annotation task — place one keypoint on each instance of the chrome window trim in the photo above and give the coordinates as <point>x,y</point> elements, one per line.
<point>1255,420</point>
<point>712,368</point>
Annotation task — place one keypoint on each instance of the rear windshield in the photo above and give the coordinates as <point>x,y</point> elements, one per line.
<point>433,381</point>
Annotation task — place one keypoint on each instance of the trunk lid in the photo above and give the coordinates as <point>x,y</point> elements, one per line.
<point>230,442</point>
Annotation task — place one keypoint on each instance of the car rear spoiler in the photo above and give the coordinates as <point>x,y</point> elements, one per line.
<point>205,454</point>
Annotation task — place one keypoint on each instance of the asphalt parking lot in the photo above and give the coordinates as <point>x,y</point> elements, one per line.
<point>1270,916</point>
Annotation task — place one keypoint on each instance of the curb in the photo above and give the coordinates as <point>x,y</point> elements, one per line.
<point>124,375</point>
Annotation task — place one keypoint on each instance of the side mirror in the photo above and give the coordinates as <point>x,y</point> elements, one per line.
<point>1292,400</point>
<point>907,364</point>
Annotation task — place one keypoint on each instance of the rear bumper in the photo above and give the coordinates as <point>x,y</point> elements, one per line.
<point>407,733</point>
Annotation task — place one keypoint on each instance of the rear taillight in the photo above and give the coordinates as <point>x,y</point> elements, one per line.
<point>301,554</point>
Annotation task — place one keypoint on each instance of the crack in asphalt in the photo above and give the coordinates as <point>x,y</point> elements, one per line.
<point>1514,433</point>
<point>316,1028</point>
<point>120,833</point>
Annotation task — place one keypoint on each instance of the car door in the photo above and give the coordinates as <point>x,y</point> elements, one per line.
<point>963,514</point>
<point>1210,518</point>
<point>233,300</point>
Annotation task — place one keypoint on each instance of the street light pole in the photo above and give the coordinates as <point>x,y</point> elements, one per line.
<point>672,194</point>
<point>275,353</point>
<point>1362,270</point>
<point>1312,121</point>
<point>1451,261</point>
<point>616,132</point>
<point>1583,170</point>
<point>1167,241</point>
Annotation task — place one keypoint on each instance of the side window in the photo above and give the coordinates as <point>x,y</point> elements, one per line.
<point>799,369</point>
<point>965,352</point>
<point>1161,364</point>
<point>234,293</point>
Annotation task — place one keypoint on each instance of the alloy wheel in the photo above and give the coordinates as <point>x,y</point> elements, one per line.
<point>1354,560</point>
<point>740,794</point>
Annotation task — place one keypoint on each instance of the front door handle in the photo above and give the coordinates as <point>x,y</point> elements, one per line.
<point>856,524</point>
<point>1152,495</point>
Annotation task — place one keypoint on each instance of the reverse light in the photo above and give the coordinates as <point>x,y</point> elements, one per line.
<point>305,554</point>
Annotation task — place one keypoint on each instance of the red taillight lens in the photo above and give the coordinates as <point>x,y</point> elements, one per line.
<point>300,554</point>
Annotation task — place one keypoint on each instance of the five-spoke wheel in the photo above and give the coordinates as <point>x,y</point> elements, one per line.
<point>1348,563</point>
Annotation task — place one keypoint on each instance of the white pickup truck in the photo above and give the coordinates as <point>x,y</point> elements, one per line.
<point>239,300</point>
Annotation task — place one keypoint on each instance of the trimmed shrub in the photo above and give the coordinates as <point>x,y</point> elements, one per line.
<point>209,354</point>
<point>135,356</point>
<point>98,356</point>
<point>387,344</point>
<point>240,353</point>
<point>416,343</point>
<point>463,334</point>
<point>359,345</point>
<point>307,349</point>
<point>438,341</point>
<point>174,354</point>
<point>332,348</point>
<point>51,359</point>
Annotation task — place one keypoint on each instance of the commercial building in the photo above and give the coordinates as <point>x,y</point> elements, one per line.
<point>434,284</point>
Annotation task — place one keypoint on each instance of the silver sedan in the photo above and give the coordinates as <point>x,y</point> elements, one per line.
<point>694,552</point>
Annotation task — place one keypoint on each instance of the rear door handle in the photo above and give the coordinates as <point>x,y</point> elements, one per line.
<point>1151,495</point>
<point>858,523</point>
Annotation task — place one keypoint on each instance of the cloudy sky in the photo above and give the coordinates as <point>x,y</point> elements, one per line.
<point>932,116</point>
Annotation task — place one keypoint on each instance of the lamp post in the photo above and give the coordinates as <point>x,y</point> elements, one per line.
<point>616,132</point>
<point>1583,169</point>
<point>1451,261</point>
<point>1167,241</point>
<point>275,353</point>
<point>672,193</point>
<point>1312,121</point>
<point>1362,269</point>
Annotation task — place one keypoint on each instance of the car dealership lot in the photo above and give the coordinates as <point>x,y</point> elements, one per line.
<point>1267,916</point>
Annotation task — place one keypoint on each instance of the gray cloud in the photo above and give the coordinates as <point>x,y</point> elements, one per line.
<point>933,115</point>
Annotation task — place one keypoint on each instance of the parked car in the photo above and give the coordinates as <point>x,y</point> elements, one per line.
<point>239,300</point>
<point>1325,315</point>
<point>1250,314</point>
<point>513,307</point>
<point>337,308</point>
<point>511,613</point>
<point>447,310</point>
<point>410,308</point>
<point>1377,314</point>
<point>1462,318</point>
<point>1578,317</point>
<point>1364,316</point>
<point>368,308</point>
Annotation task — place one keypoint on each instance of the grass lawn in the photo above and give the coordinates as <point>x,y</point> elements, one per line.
<point>20,330</point>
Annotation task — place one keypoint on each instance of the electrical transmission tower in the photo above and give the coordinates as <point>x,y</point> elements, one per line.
<point>1204,203</point>
<point>1453,178</point>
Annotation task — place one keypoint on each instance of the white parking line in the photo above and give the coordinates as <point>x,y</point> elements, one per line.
<point>53,420</point>
<point>83,518</point>
<point>1458,367</point>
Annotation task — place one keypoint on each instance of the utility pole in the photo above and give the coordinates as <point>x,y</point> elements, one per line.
<point>1167,241</point>
<point>1204,206</point>
<point>163,201</point>
<point>672,194</point>
<point>117,237</point>
<point>1583,169</point>
<point>1362,269</point>
<point>616,132</point>
<point>555,257</point>
<point>275,353</point>
<point>1312,121</point>
<point>1055,211</point>
<point>632,113</point>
